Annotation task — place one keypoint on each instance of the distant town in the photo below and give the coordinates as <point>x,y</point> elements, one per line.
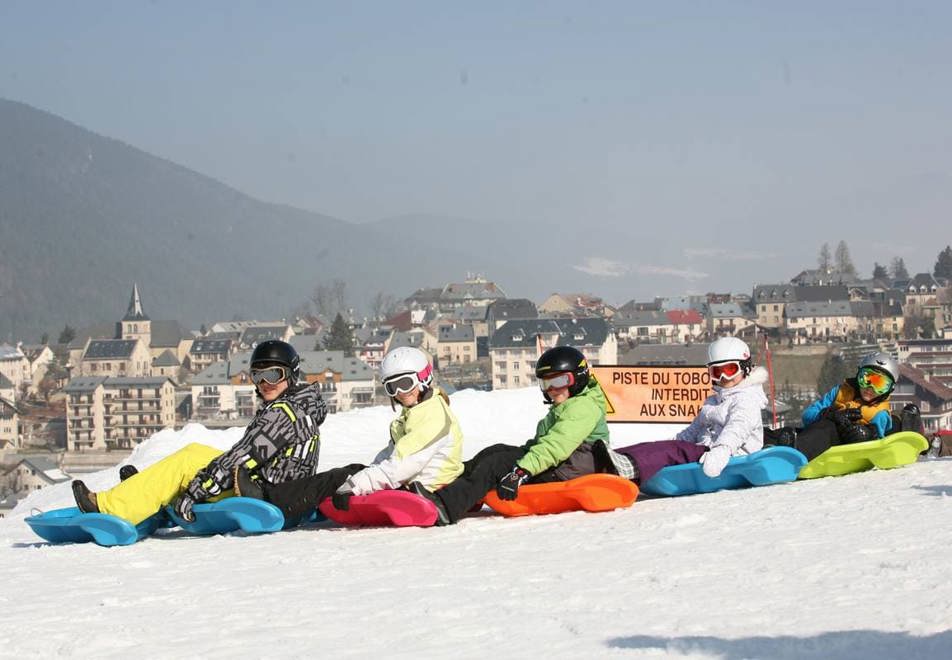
<point>85,401</point>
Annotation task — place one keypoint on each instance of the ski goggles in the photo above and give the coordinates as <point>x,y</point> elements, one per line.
<point>269,375</point>
<point>565,379</point>
<point>404,383</point>
<point>875,380</point>
<point>723,370</point>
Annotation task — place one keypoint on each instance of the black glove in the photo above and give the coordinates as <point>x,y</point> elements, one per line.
<point>858,433</point>
<point>183,507</point>
<point>199,489</point>
<point>508,486</point>
<point>341,501</point>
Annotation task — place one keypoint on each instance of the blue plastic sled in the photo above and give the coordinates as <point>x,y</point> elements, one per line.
<point>72,526</point>
<point>773,465</point>
<point>231,515</point>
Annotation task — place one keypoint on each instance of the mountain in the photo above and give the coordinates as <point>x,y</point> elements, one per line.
<point>83,216</point>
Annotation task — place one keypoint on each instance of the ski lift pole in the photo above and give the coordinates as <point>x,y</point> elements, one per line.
<point>773,394</point>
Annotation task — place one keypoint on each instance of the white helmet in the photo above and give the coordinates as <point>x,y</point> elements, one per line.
<point>404,361</point>
<point>727,349</point>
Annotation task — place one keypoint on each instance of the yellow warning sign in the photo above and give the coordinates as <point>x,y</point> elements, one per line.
<point>666,395</point>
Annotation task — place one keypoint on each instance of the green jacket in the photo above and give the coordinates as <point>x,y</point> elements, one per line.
<point>579,419</point>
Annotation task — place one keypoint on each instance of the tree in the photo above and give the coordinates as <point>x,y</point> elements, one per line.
<point>898,269</point>
<point>381,305</point>
<point>340,338</point>
<point>329,299</point>
<point>825,259</point>
<point>833,372</point>
<point>45,339</point>
<point>67,335</point>
<point>943,265</point>
<point>879,271</point>
<point>918,326</point>
<point>844,264</point>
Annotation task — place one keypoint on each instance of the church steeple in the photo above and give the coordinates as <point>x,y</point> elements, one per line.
<point>135,313</point>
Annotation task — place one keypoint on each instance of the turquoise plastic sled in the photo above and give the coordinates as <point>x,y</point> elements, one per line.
<point>70,525</point>
<point>231,515</point>
<point>773,465</point>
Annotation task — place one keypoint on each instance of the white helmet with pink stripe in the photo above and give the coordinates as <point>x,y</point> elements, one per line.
<point>404,368</point>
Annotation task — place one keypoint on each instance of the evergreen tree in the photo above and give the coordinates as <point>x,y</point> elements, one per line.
<point>898,269</point>
<point>824,260</point>
<point>879,271</point>
<point>943,265</point>
<point>340,338</point>
<point>844,264</point>
<point>67,335</point>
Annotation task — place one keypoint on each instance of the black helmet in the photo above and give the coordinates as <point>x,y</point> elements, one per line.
<point>561,359</point>
<point>275,351</point>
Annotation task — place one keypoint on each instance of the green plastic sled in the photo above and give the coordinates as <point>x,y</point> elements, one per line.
<point>892,451</point>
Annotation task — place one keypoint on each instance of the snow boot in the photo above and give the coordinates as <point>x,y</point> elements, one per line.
<point>83,497</point>
<point>127,471</point>
<point>442,518</point>
<point>911,419</point>
<point>785,436</point>
<point>246,486</point>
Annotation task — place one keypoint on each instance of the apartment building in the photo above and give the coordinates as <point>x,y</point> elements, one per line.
<point>116,412</point>
<point>515,347</point>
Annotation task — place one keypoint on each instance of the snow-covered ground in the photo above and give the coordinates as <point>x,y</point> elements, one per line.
<point>850,567</point>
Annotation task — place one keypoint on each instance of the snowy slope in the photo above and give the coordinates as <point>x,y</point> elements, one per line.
<point>849,567</point>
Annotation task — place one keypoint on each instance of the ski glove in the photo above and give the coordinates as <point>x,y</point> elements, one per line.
<point>199,489</point>
<point>341,501</point>
<point>508,486</point>
<point>858,433</point>
<point>183,507</point>
<point>715,460</point>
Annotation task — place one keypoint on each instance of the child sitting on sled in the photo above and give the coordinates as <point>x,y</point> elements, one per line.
<point>426,446</point>
<point>569,442</point>
<point>282,442</point>
<point>856,410</point>
<point>728,424</point>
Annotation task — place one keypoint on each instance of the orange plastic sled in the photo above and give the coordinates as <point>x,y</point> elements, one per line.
<point>593,492</point>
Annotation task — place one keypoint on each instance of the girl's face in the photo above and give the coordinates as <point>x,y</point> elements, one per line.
<point>408,399</point>
<point>732,382</point>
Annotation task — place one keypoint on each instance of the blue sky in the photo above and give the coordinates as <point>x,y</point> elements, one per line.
<point>736,136</point>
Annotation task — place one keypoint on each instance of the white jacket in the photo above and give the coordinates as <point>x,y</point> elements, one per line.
<point>731,417</point>
<point>426,445</point>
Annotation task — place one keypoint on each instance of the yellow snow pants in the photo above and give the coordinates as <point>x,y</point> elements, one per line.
<point>145,493</point>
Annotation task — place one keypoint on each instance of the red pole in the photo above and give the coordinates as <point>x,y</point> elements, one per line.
<point>773,396</point>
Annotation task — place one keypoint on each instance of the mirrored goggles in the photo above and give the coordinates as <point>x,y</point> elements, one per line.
<point>875,380</point>
<point>401,384</point>
<point>557,381</point>
<point>270,375</point>
<point>723,371</point>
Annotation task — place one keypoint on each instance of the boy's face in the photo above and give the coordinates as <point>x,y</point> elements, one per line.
<point>558,395</point>
<point>867,394</point>
<point>269,392</point>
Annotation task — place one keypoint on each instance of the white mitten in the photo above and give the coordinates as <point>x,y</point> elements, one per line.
<point>714,461</point>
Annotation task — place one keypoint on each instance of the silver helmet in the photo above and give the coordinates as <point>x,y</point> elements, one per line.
<point>881,362</point>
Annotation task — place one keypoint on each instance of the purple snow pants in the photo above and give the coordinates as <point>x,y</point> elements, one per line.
<point>649,457</point>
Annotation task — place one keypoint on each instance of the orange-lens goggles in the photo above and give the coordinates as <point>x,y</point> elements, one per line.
<point>874,380</point>
<point>557,381</point>
<point>723,370</point>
